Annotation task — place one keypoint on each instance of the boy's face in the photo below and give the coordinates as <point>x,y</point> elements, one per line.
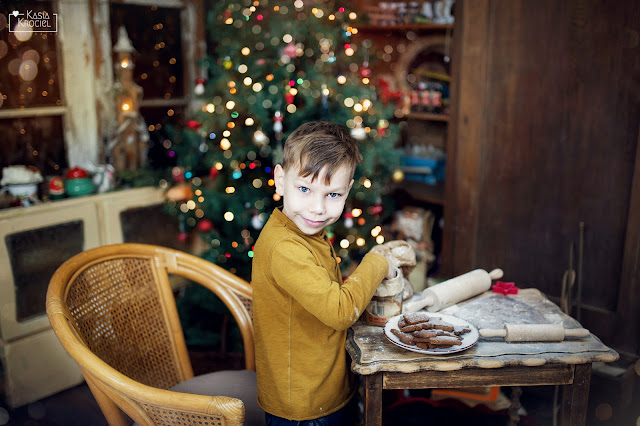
<point>312,205</point>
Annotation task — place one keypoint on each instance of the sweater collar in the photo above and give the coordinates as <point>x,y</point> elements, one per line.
<point>284,220</point>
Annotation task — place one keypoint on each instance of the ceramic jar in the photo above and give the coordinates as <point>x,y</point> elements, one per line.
<point>78,183</point>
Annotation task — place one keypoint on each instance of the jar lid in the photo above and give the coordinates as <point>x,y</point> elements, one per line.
<point>77,172</point>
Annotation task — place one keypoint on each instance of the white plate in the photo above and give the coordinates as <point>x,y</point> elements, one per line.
<point>468,339</point>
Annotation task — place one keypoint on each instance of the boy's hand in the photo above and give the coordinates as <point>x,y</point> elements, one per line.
<point>391,260</point>
<point>394,271</point>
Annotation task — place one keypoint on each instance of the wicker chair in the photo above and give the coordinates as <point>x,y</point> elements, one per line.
<point>113,310</point>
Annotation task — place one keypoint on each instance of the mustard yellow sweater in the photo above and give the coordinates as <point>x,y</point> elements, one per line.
<point>301,313</point>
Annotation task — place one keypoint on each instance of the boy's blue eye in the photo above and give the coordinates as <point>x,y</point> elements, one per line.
<point>334,195</point>
<point>303,189</point>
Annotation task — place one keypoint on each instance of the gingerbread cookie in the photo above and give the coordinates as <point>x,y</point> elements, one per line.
<point>405,338</point>
<point>425,332</point>
<point>416,317</point>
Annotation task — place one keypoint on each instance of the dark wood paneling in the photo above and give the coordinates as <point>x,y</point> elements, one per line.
<point>546,138</point>
<point>523,138</point>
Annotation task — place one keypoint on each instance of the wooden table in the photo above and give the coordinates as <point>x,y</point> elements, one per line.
<point>491,362</point>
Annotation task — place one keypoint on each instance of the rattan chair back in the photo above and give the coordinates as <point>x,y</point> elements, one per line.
<point>114,311</point>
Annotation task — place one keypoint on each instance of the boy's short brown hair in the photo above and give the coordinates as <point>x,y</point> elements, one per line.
<point>319,144</point>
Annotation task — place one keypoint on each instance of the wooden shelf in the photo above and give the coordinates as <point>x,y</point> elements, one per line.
<point>421,191</point>
<point>427,116</point>
<point>405,27</point>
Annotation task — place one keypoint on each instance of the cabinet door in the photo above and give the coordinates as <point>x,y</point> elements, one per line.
<point>546,139</point>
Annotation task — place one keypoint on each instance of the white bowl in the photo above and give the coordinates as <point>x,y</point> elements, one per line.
<point>23,190</point>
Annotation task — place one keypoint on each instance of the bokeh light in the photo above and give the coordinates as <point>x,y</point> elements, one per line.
<point>22,31</point>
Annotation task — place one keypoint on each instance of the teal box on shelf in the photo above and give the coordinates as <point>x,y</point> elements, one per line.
<point>427,170</point>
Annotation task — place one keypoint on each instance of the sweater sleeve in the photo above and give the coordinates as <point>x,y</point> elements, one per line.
<point>339,306</point>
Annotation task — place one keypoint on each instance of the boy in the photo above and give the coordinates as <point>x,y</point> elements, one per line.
<point>302,309</point>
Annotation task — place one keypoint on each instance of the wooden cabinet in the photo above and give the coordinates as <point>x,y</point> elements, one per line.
<point>543,175</point>
<point>409,57</point>
<point>35,240</point>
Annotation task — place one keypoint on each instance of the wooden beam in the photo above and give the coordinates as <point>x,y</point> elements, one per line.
<point>465,141</point>
<point>629,297</point>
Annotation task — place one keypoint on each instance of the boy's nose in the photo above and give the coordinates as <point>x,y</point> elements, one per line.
<point>317,205</point>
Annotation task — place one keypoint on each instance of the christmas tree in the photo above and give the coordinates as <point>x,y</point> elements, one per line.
<point>276,65</point>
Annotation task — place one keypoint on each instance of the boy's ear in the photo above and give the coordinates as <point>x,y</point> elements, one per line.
<point>350,185</point>
<point>278,177</point>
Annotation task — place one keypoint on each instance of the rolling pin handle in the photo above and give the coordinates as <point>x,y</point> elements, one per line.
<point>493,332</point>
<point>496,274</point>
<point>427,300</point>
<point>576,332</point>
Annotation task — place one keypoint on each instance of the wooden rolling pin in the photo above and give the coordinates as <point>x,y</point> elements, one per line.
<point>455,290</point>
<point>534,332</point>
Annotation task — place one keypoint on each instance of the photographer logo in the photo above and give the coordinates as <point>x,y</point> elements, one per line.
<point>32,21</point>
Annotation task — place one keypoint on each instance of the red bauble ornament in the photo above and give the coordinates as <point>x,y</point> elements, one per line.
<point>290,50</point>
<point>365,72</point>
<point>193,124</point>
<point>178,174</point>
<point>373,210</point>
<point>182,237</point>
<point>213,173</point>
<point>289,98</point>
<point>204,225</point>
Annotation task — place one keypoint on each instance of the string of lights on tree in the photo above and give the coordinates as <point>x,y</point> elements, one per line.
<point>275,66</point>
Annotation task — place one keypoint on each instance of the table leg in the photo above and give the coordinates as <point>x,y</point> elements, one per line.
<point>576,397</point>
<point>373,400</point>
<point>514,409</point>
